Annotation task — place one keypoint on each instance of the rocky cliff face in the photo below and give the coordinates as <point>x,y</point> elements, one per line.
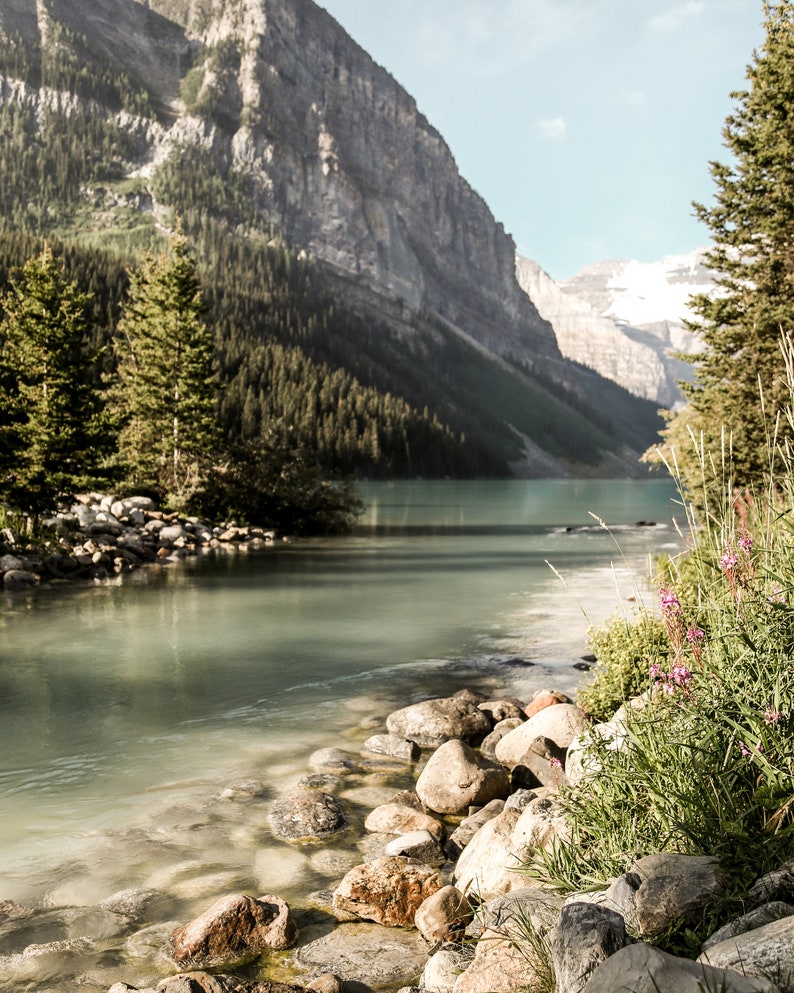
<point>335,152</point>
<point>625,319</point>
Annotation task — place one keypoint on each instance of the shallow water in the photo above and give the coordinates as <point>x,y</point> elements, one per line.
<point>127,708</point>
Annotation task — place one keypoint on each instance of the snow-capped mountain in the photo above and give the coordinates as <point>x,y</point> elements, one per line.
<point>625,319</point>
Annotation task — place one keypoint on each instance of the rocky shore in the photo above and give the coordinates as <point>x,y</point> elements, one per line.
<point>100,536</point>
<point>437,900</point>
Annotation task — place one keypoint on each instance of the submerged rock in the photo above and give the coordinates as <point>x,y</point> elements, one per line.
<point>308,814</point>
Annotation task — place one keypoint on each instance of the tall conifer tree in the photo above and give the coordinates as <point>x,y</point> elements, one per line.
<point>752,227</point>
<point>48,408</point>
<point>167,388</point>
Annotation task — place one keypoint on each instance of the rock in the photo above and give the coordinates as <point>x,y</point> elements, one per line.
<point>506,708</point>
<point>399,818</point>
<point>469,826</point>
<point>443,916</point>
<point>642,968</point>
<point>9,563</point>
<point>775,885</point>
<point>308,814</point>
<point>543,699</point>
<point>539,825</point>
<point>528,903</point>
<point>456,777</point>
<point>248,789</point>
<point>133,904</point>
<point>443,968</point>
<point>674,887</point>
<point>387,890</point>
<point>766,951</point>
<point>234,930</point>
<point>332,760</point>
<point>171,533</point>
<point>488,745</point>
<point>523,798</point>
<point>365,953</point>
<point>584,936</point>
<point>764,914</point>
<point>329,982</point>
<point>561,723</point>
<point>485,865</point>
<point>19,579</point>
<point>11,911</point>
<point>432,722</point>
<point>419,845</point>
<point>544,760</point>
<point>504,961</point>
<point>392,745</point>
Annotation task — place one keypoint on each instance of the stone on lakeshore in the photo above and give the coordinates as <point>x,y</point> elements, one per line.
<point>486,864</point>
<point>19,579</point>
<point>469,826</point>
<point>543,760</point>
<point>456,778</point>
<point>333,760</point>
<point>365,953</point>
<point>765,951</point>
<point>561,723</point>
<point>133,904</point>
<point>432,722</point>
<point>505,708</point>
<point>308,814</point>
<point>387,890</point>
<point>764,914</point>
<point>539,907</point>
<point>400,818</point>
<point>674,887</point>
<point>170,533</point>
<point>419,845</point>
<point>443,916</point>
<point>539,825</point>
<point>641,968</point>
<point>393,746</point>
<point>11,911</point>
<point>504,962</point>
<point>234,930</point>
<point>523,797</point>
<point>584,936</point>
<point>543,699</point>
<point>185,982</point>
<point>10,562</point>
<point>327,983</point>
<point>443,968</point>
<point>488,744</point>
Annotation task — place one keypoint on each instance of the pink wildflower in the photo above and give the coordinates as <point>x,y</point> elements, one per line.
<point>668,601</point>
<point>744,749</point>
<point>695,635</point>
<point>656,671</point>
<point>772,716</point>
<point>777,594</point>
<point>668,688</point>
<point>745,541</point>
<point>555,763</point>
<point>680,675</point>
<point>729,560</point>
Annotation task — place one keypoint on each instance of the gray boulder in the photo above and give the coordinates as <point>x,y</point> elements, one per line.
<point>642,968</point>
<point>672,888</point>
<point>584,936</point>
<point>419,845</point>
<point>756,918</point>
<point>767,952</point>
<point>456,778</point>
<point>308,814</point>
<point>393,746</point>
<point>443,968</point>
<point>486,866</point>
<point>432,722</point>
<point>775,885</point>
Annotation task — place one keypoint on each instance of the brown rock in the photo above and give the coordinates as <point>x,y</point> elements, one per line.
<point>443,916</point>
<point>456,778</point>
<point>543,699</point>
<point>233,930</point>
<point>399,818</point>
<point>388,890</point>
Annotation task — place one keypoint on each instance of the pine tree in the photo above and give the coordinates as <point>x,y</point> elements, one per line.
<point>48,409</point>
<point>751,224</point>
<point>167,388</point>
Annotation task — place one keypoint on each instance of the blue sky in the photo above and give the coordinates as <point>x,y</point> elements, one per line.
<point>586,125</point>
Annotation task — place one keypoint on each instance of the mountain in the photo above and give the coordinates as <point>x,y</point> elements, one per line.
<point>625,319</point>
<point>330,220</point>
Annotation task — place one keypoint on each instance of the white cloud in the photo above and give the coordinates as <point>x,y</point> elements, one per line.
<point>675,17</point>
<point>553,128</point>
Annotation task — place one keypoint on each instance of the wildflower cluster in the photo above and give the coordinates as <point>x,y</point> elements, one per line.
<point>737,564</point>
<point>683,638</point>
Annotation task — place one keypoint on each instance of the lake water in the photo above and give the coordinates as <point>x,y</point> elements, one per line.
<point>126,708</point>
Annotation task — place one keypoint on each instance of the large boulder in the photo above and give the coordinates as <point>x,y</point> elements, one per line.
<point>487,865</point>
<point>753,919</point>
<point>642,968</point>
<point>365,953</point>
<point>444,967</point>
<point>584,936</point>
<point>672,888</point>
<point>308,814</point>
<point>432,722</point>
<point>392,745</point>
<point>234,930</point>
<point>456,778</point>
<point>541,824</point>
<point>561,723</point>
<point>388,890</point>
<point>767,951</point>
